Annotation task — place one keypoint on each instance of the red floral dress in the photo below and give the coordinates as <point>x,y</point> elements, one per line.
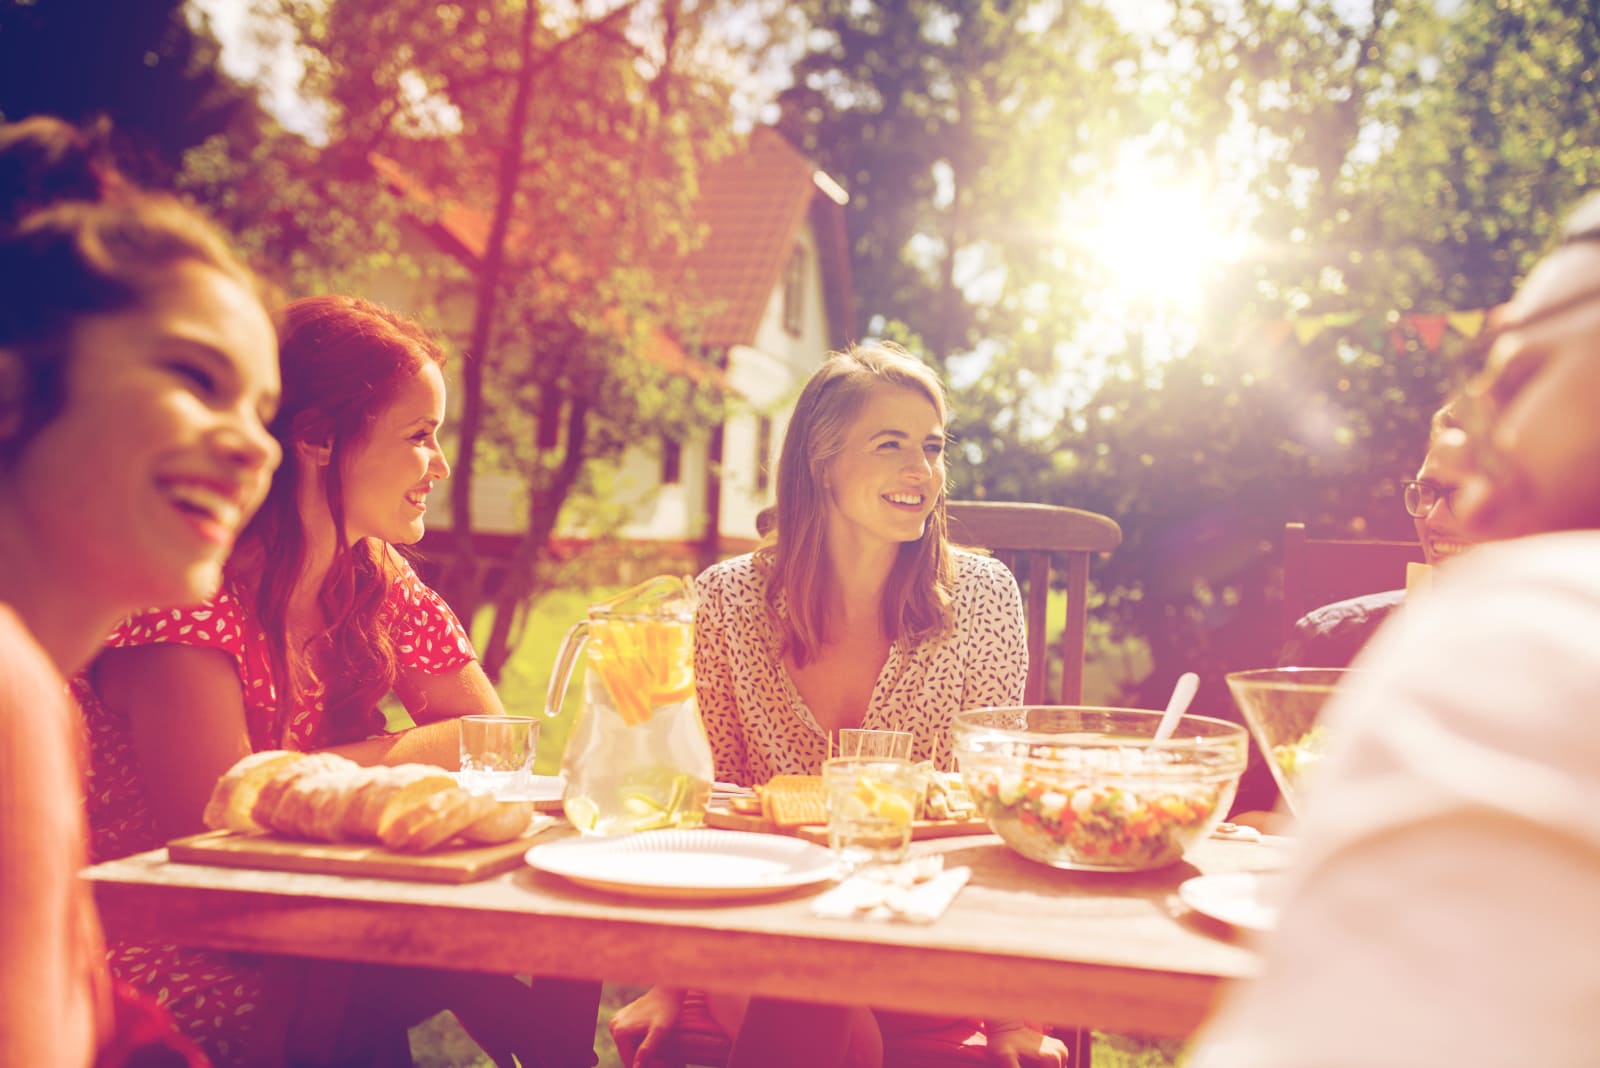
<point>223,1000</point>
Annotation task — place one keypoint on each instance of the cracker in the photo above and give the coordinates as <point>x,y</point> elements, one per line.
<point>792,800</point>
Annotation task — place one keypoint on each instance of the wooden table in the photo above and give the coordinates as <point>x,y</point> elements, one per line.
<point>1078,949</point>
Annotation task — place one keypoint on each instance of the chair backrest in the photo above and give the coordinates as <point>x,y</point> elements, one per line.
<point>1319,571</point>
<point>1024,537</point>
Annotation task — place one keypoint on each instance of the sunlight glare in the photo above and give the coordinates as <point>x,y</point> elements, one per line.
<point>1153,235</point>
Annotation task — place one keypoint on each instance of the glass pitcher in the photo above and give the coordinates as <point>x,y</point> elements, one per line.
<point>638,758</point>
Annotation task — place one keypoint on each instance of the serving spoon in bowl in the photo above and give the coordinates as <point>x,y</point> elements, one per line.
<point>1177,705</point>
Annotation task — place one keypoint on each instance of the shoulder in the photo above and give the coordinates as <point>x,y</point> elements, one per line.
<point>1355,611</point>
<point>25,670</point>
<point>1356,619</point>
<point>401,578</point>
<point>218,622</point>
<point>738,579</point>
<point>978,573</point>
<point>1501,647</point>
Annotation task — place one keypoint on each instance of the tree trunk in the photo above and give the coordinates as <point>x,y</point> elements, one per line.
<point>544,506</point>
<point>464,593</point>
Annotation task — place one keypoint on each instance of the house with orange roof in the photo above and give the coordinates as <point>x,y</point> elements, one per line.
<point>774,270</point>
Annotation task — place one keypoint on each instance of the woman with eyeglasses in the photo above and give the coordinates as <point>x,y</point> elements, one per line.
<point>1441,905</point>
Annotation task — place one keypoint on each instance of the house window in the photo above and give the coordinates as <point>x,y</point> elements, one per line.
<point>671,461</point>
<point>763,453</point>
<point>794,291</point>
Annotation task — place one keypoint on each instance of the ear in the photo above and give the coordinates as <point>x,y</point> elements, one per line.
<point>13,377</point>
<point>313,439</point>
<point>313,453</point>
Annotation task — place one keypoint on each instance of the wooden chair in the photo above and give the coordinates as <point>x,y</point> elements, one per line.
<point>1025,537</point>
<point>1319,571</point>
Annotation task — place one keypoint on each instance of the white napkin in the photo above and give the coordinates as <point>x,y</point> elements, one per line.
<point>917,891</point>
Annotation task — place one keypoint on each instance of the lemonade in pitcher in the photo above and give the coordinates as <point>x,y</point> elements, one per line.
<point>638,758</point>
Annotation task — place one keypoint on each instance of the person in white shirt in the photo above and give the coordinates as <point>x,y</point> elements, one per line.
<point>1441,908</point>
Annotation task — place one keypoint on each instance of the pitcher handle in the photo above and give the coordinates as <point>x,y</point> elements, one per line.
<point>571,645</point>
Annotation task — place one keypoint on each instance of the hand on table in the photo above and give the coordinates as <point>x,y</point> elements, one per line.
<point>641,1026</point>
<point>1014,1044</point>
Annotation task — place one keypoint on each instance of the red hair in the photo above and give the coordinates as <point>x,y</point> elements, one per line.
<point>343,360</point>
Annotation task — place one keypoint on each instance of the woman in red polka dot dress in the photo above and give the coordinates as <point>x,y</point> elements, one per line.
<point>318,620</point>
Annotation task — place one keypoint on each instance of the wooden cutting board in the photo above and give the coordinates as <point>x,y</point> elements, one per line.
<point>464,865</point>
<point>726,819</point>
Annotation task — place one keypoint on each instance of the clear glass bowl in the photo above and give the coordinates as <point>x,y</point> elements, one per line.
<point>1282,707</point>
<point>1088,788</point>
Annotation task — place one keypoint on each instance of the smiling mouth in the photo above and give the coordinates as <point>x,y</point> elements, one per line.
<point>207,504</point>
<point>913,500</point>
<point>1445,547</point>
<point>418,499</point>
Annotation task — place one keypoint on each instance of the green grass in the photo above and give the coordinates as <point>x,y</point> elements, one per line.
<point>523,682</point>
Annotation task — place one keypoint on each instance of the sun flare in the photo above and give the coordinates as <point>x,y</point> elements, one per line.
<point>1153,234</point>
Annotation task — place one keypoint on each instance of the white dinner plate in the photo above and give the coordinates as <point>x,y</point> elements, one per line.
<point>692,863</point>
<point>1242,899</point>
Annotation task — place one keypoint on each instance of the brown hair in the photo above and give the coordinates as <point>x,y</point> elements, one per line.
<point>1448,416</point>
<point>916,601</point>
<point>343,360</point>
<point>77,240</point>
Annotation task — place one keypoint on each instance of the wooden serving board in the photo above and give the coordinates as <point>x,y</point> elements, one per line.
<point>726,819</point>
<point>464,865</point>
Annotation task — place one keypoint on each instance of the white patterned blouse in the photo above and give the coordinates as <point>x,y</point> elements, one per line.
<point>757,722</point>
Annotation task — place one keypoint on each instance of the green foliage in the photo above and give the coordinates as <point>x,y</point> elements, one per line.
<point>539,195</point>
<point>137,62</point>
<point>955,128</point>
<point>1395,157</point>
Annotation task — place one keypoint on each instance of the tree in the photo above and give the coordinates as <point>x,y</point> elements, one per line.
<point>956,128</point>
<point>138,62</point>
<point>571,141</point>
<point>1397,159</point>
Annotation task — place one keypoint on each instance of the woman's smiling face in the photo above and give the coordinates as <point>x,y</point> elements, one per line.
<point>160,453</point>
<point>388,473</point>
<point>887,477</point>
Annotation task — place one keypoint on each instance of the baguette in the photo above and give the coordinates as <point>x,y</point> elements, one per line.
<point>432,821</point>
<point>507,820</point>
<point>233,799</point>
<point>387,786</point>
<point>324,797</point>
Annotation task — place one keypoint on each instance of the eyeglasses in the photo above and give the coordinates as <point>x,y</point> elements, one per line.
<point>1421,495</point>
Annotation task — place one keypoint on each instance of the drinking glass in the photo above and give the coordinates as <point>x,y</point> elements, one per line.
<point>871,804</point>
<point>497,753</point>
<point>1282,707</point>
<point>867,743</point>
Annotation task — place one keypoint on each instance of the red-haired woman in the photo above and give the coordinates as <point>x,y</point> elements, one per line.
<point>138,366</point>
<point>858,612</point>
<point>319,619</point>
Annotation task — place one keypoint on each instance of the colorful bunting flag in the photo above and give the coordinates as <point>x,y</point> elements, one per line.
<point>1467,323</point>
<point>1397,332</point>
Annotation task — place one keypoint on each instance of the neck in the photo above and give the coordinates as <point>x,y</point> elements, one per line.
<point>68,617</point>
<point>317,523</point>
<point>860,575</point>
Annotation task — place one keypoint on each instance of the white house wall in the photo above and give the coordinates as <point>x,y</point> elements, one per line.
<point>768,378</point>
<point>765,378</point>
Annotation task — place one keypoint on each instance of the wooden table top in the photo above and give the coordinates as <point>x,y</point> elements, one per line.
<point>1114,951</point>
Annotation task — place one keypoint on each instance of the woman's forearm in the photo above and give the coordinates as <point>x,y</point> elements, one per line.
<point>432,743</point>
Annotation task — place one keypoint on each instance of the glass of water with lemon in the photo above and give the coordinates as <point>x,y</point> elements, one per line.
<point>872,802</point>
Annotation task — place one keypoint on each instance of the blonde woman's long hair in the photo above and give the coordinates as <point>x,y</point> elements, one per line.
<point>917,598</point>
